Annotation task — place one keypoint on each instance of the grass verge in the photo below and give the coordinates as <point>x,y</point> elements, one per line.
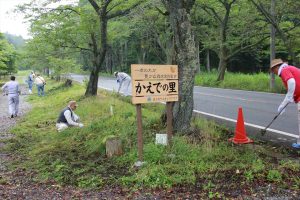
<point>203,158</point>
<point>252,82</point>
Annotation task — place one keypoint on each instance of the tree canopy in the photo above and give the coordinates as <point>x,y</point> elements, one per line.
<point>7,56</point>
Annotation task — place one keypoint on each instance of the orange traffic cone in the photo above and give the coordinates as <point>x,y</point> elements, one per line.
<point>240,136</point>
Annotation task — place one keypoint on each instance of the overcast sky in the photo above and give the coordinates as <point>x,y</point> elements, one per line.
<point>13,23</point>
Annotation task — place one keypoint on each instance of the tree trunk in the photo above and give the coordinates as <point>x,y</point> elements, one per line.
<point>93,83</point>
<point>122,56</point>
<point>46,71</point>
<point>198,58</point>
<point>222,69</point>
<point>170,51</point>
<point>222,63</point>
<point>92,87</point>
<point>99,55</point>
<point>125,53</point>
<point>142,54</point>
<point>186,59</point>
<point>223,48</point>
<point>208,60</point>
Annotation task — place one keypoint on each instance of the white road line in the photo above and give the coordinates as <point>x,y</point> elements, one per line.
<point>105,88</point>
<point>234,98</point>
<point>248,124</point>
<point>246,91</point>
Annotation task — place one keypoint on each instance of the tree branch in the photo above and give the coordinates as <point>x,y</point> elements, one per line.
<point>95,5</point>
<point>166,13</point>
<point>213,12</point>
<point>76,47</point>
<point>245,47</point>
<point>123,12</point>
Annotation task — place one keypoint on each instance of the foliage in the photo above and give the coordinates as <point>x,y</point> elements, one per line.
<point>252,82</point>
<point>7,56</point>
<point>17,41</point>
<point>144,35</point>
<point>274,176</point>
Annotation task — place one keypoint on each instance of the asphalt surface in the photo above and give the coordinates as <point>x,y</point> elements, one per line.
<point>222,105</point>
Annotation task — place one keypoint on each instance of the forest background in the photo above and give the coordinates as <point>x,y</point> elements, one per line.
<point>234,32</point>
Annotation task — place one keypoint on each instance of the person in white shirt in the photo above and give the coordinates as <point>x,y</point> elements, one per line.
<point>68,118</point>
<point>40,83</point>
<point>124,80</point>
<point>12,90</point>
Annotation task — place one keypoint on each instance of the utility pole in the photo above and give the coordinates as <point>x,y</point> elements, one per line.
<point>272,45</point>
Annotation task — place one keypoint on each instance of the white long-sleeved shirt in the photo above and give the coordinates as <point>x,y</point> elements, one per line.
<point>39,80</point>
<point>291,85</point>
<point>11,87</point>
<point>71,121</point>
<point>122,76</point>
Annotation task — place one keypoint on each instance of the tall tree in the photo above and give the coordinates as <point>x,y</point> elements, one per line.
<point>7,56</point>
<point>186,58</point>
<point>286,22</point>
<point>234,35</point>
<point>106,10</point>
<point>57,37</point>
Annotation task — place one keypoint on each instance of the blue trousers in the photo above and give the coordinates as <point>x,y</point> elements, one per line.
<point>30,83</point>
<point>40,89</point>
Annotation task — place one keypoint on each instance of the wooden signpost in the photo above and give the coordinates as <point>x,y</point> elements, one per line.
<point>153,84</point>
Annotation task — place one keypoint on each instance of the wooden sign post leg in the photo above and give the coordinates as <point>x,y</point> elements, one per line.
<point>139,131</point>
<point>169,121</point>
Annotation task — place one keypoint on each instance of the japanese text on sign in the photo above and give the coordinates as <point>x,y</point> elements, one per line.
<point>154,83</point>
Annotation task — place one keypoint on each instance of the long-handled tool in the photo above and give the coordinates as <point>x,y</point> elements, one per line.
<point>264,131</point>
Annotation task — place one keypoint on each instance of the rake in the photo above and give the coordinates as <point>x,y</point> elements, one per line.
<point>264,131</point>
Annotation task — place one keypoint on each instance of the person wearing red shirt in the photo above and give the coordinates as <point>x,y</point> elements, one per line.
<point>290,77</point>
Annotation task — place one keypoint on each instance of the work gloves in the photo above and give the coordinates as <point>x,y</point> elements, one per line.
<point>281,108</point>
<point>80,125</point>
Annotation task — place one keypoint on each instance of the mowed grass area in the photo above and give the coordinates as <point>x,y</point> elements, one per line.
<point>76,156</point>
<point>253,82</point>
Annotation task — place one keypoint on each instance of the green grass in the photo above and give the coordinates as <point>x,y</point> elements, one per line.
<point>252,82</point>
<point>77,156</point>
<point>24,72</point>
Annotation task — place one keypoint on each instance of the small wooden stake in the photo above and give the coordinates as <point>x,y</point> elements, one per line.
<point>139,131</point>
<point>169,121</point>
<point>113,147</point>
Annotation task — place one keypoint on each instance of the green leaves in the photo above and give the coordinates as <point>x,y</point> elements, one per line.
<point>7,56</point>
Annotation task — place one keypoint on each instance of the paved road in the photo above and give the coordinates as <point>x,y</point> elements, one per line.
<point>222,105</point>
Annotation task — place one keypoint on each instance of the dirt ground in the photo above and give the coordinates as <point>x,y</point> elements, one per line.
<point>20,184</point>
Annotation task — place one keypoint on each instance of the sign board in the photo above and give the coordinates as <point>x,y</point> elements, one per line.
<point>154,83</point>
<point>161,139</point>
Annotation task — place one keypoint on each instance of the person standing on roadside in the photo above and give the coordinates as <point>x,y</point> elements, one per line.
<point>13,92</point>
<point>40,84</point>
<point>290,77</point>
<point>124,80</point>
<point>30,81</point>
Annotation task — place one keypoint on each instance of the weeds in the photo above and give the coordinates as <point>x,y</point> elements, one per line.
<point>252,82</point>
<point>77,156</point>
<point>274,176</point>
